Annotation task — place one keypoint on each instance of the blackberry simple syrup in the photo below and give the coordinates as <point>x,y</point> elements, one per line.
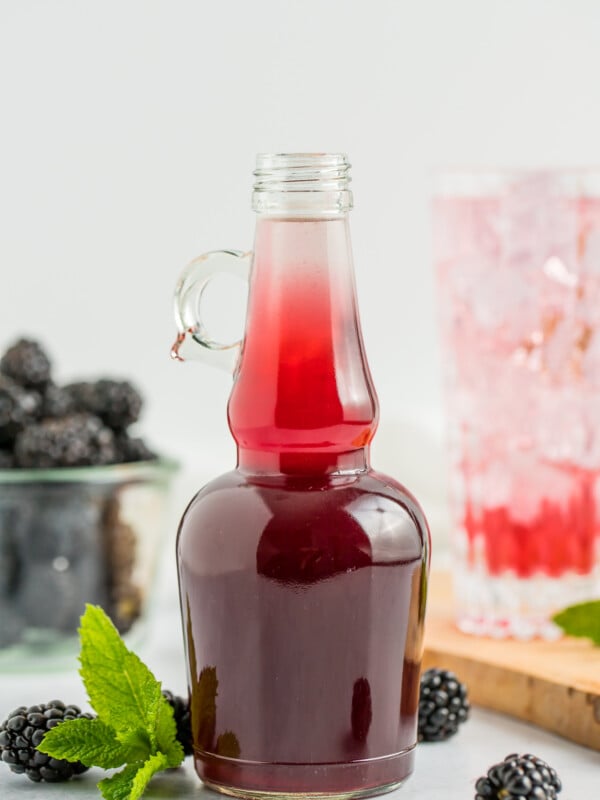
<point>303,571</point>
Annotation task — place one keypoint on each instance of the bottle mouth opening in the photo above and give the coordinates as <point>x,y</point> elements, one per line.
<point>285,182</point>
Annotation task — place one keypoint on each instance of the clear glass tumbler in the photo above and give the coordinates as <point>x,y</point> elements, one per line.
<point>517,258</point>
<point>71,536</point>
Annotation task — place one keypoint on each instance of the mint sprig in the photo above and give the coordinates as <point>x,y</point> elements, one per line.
<point>135,724</point>
<point>581,620</point>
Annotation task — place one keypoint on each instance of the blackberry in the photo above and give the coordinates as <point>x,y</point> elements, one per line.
<point>27,364</point>
<point>181,712</point>
<point>74,441</point>
<point>132,448</point>
<point>117,403</point>
<point>19,408</point>
<point>522,777</point>
<point>23,730</point>
<point>443,705</point>
<point>56,402</point>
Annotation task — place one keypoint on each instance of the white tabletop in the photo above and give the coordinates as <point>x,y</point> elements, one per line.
<point>446,770</point>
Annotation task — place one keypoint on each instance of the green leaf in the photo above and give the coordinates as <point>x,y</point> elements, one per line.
<point>139,741</point>
<point>120,785</point>
<point>89,741</point>
<point>131,782</point>
<point>122,690</point>
<point>582,620</point>
<point>154,764</point>
<point>135,724</point>
<point>166,735</point>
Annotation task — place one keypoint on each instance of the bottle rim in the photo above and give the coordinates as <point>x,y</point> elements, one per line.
<point>300,183</point>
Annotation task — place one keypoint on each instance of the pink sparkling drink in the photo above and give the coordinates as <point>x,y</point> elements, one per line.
<point>518,268</point>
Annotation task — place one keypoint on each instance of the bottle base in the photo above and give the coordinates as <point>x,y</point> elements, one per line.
<point>339,781</point>
<point>250,794</point>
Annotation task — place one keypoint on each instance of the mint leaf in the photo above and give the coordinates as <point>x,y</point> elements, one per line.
<point>118,684</point>
<point>582,620</point>
<point>166,735</point>
<point>154,764</point>
<point>135,724</point>
<point>89,741</point>
<point>122,690</point>
<point>120,785</point>
<point>131,782</point>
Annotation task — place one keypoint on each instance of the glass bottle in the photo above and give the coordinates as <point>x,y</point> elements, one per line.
<point>302,572</point>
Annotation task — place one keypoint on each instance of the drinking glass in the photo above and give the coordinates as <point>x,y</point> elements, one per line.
<point>517,258</point>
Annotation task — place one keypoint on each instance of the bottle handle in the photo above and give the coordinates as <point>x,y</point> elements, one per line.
<point>193,339</point>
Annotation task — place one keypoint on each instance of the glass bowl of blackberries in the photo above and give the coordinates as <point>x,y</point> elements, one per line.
<point>82,505</point>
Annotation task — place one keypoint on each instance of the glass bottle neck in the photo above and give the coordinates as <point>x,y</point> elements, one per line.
<point>274,462</point>
<point>302,185</point>
<point>303,400</point>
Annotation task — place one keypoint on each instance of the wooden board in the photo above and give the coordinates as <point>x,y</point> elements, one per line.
<point>555,685</point>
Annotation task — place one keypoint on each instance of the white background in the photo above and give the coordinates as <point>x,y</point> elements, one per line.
<point>128,132</point>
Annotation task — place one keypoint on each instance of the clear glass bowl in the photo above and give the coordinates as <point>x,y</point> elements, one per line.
<point>72,536</point>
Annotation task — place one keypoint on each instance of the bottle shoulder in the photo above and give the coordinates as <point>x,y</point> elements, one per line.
<point>241,486</point>
<point>368,514</point>
<point>395,489</point>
